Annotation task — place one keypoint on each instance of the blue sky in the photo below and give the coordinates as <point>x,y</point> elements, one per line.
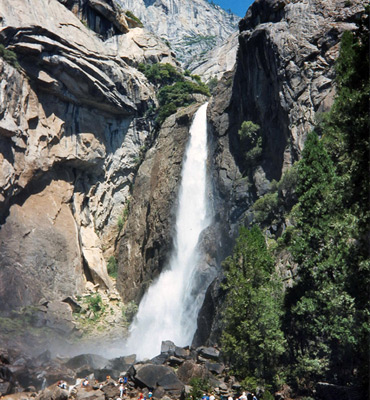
<point>238,7</point>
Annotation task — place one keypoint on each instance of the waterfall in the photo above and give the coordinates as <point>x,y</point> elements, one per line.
<point>169,309</point>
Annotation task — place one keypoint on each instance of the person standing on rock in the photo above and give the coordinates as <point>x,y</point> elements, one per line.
<point>243,396</point>
<point>121,390</point>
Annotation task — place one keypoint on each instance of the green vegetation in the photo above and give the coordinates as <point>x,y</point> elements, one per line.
<point>134,17</point>
<point>252,339</point>
<point>318,329</point>
<point>327,310</point>
<point>198,387</point>
<point>120,223</point>
<point>112,267</point>
<point>196,39</point>
<point>251,140</point>
<point>274,207</point>
<point>178,95</point>
<point>212,83</point>
<point>160,74</point>
<point>174,89</point>
<point>123,218</point>
<point>95,305</point>
<point>9,56</point>
<point>265,207</point>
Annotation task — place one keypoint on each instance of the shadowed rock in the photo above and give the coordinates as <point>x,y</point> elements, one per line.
<point>152,376</point>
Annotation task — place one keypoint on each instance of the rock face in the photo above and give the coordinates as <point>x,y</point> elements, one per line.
<point>70,137</point>
<point>217,61</point>
<point>285,73</point>
<point>282,80</point>
<point>121,33</point>
<point>185,24</point>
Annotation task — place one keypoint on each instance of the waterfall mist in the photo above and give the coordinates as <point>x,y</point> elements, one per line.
<point>169,309</point>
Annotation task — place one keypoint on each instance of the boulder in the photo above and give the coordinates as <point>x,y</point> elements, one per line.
<point>182,352</point>
<point>190,369</point>
<point>215,368</point>
<point>86,363</point>
<point>327,391</point>
<point>5,373</point>
<point>168,347</point>
<point>152,376</point>
<point>5,387</point>
<point>19,396</point>
<point>89,394</point>
<point>53,393</point>
<point>115,367</point>
<point>160,359</point>
<point>209,353</point>
<point>110,390</point>
<point>175,361</point>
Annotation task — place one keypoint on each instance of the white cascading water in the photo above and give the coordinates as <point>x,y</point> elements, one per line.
<point>169,309</point>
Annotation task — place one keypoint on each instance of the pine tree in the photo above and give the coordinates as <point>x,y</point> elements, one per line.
<point>252,338</point>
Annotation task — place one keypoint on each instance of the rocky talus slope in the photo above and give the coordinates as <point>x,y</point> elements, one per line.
<point>166,375</point>
<point>185,24</point>
<point>71,133</point>
<point>95,377</point>
<point>283,80</point>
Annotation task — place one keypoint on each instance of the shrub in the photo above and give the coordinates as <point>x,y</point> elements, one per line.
<point>95,304</point>
<point>289,180</point>
<point>178,95</point>
<point>160,74</point>
<point>212,83</point>
<point>255,153</point>
<point>198,387</point>
<point>267,395</point>
<point>134,17</point>
<point>120,223</point>
<point>249,131</point>
<point>9,56</point>
<point>112,267</point>
<point>249,134</point>
<point>197,78</point>
<point>126,209</point>
<point>265,207</point>
<point>175,91</point>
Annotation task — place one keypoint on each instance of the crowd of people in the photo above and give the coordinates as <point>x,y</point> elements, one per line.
<point>244,396</point>
<point>122,386</point>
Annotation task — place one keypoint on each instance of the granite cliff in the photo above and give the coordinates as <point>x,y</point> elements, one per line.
<point>71,133</point>
<point>74,134</point>
<point>282,81</point>
<point>185,24</point>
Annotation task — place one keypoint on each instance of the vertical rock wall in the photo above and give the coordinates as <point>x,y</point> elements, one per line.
<point>71,135</point>
<point>283,80</point>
